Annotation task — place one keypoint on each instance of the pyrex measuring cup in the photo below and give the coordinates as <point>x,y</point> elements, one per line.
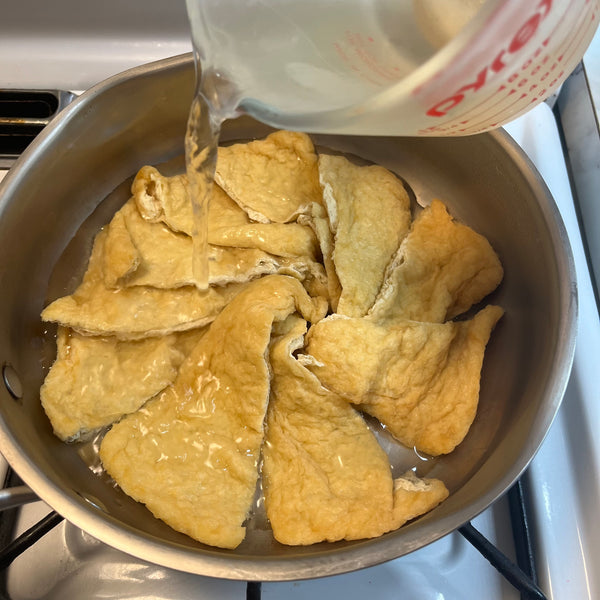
<point>389,67</point>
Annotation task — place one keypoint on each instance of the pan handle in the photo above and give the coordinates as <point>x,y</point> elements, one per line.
<point>16,496</point>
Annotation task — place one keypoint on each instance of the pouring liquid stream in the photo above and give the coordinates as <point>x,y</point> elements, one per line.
<point>212,104</point>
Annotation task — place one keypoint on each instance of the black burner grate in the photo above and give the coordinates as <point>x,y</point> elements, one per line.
<point>521,575</point>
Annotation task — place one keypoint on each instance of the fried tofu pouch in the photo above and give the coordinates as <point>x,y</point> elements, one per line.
<point>274,179</point>
<point>163,258</point>
<point>162,199</point>
<point>325,477</point>
<point>190,455</point>
<point>369,215</point>
<point>134,312</point>
<point>421,380</point>
<point>441,269</point>
<point>318,221</point>
<point>94,381</point>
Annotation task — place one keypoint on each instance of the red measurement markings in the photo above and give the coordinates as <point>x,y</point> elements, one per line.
<point>567,44</point>
<point>473,123</point>
<point>488,103</point>
<point>483,120</point>
<point>524,34</point>
<point>576,44</point>
<point>484,115</point>
<point>483,110</point>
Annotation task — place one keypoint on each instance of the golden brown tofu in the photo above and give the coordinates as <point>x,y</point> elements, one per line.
<point>163,258</point>
<point>325,476</point>
<point>161,199</point>
<point>191,454</point>
<point>274,179</point>
<point>196,384</point>
<point>96,380</point>
<point>441,269</point>
<point>135,312</point>
<point>421,380</point>
<point>369,215</point>
<point>317,220</point>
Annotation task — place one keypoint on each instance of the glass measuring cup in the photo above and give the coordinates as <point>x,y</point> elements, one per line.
<point>388,67</point>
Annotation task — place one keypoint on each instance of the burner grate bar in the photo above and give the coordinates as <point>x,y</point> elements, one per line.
<point>253,590</point>
<point>512,572</point>
<point>28,539</point>
<point>522,535</point>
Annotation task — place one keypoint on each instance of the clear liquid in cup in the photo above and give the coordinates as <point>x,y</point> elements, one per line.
<point>312,56</point>
<point>392,67</point>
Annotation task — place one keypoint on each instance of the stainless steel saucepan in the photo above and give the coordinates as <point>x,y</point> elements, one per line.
<point>77,173</point>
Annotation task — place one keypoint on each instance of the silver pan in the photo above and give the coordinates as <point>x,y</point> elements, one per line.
<point>77,173</point>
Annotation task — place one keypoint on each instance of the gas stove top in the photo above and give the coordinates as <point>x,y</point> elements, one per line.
<point>560,490</point>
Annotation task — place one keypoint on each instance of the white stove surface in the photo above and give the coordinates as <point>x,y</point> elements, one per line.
<point>564,478</point>
<point>562,483</point>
